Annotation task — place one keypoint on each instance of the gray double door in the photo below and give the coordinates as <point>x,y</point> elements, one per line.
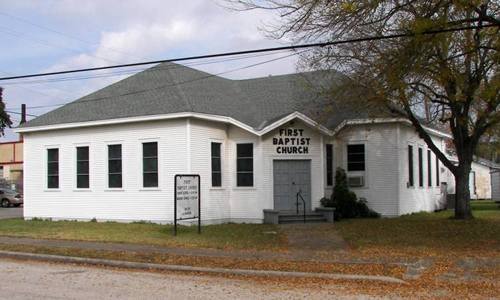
<point>290,177</point>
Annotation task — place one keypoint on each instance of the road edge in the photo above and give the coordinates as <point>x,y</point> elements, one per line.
<point>182,268</point>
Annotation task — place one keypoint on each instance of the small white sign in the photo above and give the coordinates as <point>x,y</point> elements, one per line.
<point>187,197</point>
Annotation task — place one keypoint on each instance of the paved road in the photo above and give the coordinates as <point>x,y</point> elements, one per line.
<point>11,212</point>
<point>36,280</point>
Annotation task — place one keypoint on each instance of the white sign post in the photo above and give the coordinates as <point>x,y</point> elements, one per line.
<point>187,199</point>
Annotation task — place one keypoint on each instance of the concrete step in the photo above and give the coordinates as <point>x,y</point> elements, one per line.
<point>310,218</point>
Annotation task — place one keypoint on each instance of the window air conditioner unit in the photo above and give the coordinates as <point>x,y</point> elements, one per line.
<point>356,181</point>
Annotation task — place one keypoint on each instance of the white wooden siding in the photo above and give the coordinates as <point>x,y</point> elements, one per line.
<point>130,203</point>
<point>415,198</point>
<point>184,147</point>
<point>381,171</point>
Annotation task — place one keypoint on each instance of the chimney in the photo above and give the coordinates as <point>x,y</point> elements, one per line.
<point>23,114</point>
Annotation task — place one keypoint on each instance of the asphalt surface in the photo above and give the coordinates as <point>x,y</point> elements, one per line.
<point>11,212</point>
<point>35,280</point>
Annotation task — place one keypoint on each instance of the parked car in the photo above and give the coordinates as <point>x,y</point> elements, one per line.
<point>10,198</point>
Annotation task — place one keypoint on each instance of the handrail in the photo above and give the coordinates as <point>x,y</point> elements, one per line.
<point>299,194</point>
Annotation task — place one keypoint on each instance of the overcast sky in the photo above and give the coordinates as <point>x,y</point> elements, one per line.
<point>50,35</point>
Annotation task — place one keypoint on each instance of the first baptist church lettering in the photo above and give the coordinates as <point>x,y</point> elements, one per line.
<point>255,144</point>
<point>291,141</point>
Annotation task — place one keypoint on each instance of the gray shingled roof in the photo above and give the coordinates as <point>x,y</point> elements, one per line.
<point>172,88</point>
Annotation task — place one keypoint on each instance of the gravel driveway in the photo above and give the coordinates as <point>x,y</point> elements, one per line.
<point>11,212</point>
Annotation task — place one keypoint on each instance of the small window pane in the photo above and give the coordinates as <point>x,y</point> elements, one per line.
<point>82,181</point>
<point>115,180</point>
<point>355,166</point>
<point>216,179</point>
<point>215,164</point>
<point>244,150</point>
<point>114,151</point>
<point>82,153</point>
<point>245,179</point>
<point>216,149</point>
<point>115,166</point>
<point>356,157</point>
<point>53,182</point>
<point>82,167</point>
<point>150,149</point>
<point>360,148</point>
<point>245,164</point>
<point>53,168</point>
<point>150,165</point>
<point>150,179</point>
<point>53,154</point>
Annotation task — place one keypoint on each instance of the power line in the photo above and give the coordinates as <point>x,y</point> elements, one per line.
<point>18,113</point>
<point>182,82</point>
<point>292,47</point>
<point>131,71</point>
<point>212,61</point>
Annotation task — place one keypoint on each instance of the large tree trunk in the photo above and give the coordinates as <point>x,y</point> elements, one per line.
<point>462,193</point>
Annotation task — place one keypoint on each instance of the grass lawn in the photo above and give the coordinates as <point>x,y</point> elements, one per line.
<point>417,234</point>
<point>428,233</point>
<point>226,236</point>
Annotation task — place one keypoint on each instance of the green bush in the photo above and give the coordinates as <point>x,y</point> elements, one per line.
<point>345,201</point>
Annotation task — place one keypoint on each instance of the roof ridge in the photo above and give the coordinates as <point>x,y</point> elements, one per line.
<point>177,86</point>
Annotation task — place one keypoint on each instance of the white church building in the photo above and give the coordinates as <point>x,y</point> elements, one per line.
<point>256,143</point>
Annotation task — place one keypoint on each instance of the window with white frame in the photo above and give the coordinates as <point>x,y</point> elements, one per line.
<point>53,168</point>
<point>216,164</point>
<point>244,164</point>
<point>329,164</point>
<point>411,180</point>
<point>82,167</point>
<point>429,169</point>
<point>356,157</point>
<point>420,168</point>
<point>115,166</point>
<point>150,164</point>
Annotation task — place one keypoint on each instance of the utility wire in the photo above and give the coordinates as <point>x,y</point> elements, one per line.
<point>131,71</point>
<point>18,113</point>
<point>158,68</point>
<point>292,47</point>
<point>182,82</point>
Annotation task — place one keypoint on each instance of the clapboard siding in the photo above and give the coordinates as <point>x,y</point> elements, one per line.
<point>128,204</point>
<point>415,198</point>
<point>184,147</point>
<point>246,203</point>
<point>381,171</point>
<point>215,200</point>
